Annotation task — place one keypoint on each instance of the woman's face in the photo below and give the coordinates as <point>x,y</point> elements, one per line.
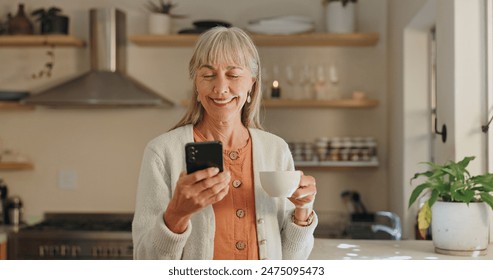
<point>222,89</point>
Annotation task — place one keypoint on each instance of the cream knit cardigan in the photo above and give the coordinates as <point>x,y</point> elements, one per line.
<point>164,160</point>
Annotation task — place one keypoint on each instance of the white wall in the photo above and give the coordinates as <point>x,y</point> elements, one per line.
<point>416,101</point>
<point>401,14</point>
<point>104,147</point>
<point>461,90</point>
<point>470,82</point>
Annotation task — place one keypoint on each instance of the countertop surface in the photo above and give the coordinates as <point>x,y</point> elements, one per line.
<point>357,249</point>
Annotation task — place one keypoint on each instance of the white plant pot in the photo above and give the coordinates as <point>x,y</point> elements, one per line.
<point>339,18</point>
<point>459,229</point>
<point>159,24</point>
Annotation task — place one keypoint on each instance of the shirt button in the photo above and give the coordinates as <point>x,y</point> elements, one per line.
<point>260,221</point>
<point>263,242</point>
<point>233,155</point>
<point>236,183</point>
<point>240,213</point>
<point>240,245</point>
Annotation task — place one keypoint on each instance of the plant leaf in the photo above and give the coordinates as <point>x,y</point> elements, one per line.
<point>486,197</point>
<point>424,217</point>
<point>53,11</point>
<point>426,174</point>
<point>465,162</point>
<point>417,191</point>
<point>485,180</point>
<point>433,198</point>
<point>456,186</point>
<point>463,196</point>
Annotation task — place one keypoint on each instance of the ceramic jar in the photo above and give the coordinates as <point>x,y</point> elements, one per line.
<point>340,18</point>
<point>159,24</point>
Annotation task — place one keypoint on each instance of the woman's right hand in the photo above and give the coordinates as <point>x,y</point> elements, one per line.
<point>194,192</point>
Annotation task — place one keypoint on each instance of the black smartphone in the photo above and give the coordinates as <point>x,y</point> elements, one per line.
<point>202,155</point>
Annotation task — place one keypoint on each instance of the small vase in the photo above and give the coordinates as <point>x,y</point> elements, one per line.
<point>20,23</point>
<point>340,18</point>
<point>159,24</point>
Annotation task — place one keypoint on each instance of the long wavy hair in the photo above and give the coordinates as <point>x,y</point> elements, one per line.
<point>231,45</point>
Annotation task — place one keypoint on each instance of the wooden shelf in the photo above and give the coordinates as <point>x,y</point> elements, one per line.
<point>309,103</point>
<point>342,165</point>
<point>16,166</point>
<point>40,41</point>
<point>313,103</point>
<point>307,39</point>
<point>15,106</point>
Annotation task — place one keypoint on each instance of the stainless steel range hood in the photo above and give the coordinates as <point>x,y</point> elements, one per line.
<point>106,84</point>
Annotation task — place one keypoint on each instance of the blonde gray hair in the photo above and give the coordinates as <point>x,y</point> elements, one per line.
<point>231,45</point>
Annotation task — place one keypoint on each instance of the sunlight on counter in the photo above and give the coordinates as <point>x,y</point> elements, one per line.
<point>358,249</point>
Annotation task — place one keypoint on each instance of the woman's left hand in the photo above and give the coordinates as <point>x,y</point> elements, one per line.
<point>304,196</point>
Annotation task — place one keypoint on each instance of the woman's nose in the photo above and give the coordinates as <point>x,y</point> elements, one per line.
<point>221,85</point>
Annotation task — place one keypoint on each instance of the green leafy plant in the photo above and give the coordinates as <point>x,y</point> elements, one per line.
<point>46,15</point>
<point>450,182</point>
<point>344,2</point>
<point>163,7</point>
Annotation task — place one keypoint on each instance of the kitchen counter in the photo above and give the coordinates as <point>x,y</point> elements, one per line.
<point>357,249</point>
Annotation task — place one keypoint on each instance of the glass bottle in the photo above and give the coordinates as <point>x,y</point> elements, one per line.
<point>20,23</point>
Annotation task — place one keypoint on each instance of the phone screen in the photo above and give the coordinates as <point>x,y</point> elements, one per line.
<point>202,155</point>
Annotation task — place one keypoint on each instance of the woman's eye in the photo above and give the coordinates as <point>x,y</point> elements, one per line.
<point>208,76</point>
<point>234,76</point>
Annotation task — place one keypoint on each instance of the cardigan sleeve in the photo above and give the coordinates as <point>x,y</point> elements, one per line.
<point>151,237</point>
<point>297,241</point>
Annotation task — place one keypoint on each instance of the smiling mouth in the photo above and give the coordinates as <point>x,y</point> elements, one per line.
<point>223,101</point>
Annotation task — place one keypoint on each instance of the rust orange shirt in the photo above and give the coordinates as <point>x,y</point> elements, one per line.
<point>236,231</point>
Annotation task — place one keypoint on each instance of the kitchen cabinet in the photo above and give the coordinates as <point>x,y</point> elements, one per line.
<point>307,39</point>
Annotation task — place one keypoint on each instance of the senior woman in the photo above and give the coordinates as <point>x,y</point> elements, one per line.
<point>221,215</point>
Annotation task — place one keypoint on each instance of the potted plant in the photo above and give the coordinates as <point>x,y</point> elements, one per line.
<point>51,21</point>
<point>340,16</point>
<point>160,18</point>
<point>457,207</point>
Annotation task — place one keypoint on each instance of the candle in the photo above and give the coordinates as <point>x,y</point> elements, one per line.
<point>276,91</point>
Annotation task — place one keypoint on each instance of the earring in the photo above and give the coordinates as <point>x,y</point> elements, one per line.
<point>198,99</point>
<point>249,99</point>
